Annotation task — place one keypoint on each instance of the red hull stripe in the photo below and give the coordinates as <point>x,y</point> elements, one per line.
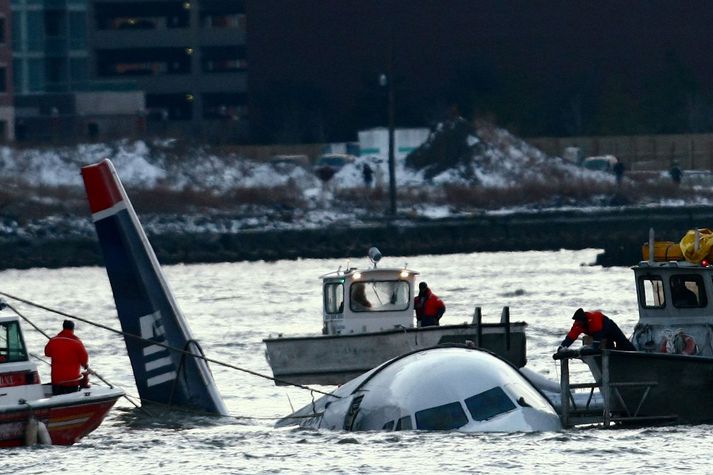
<point>102,189</point>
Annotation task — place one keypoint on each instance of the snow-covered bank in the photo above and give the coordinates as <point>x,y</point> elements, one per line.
<point>462,174</point>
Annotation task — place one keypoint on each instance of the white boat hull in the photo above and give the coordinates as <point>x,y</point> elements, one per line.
<point>335,359</point>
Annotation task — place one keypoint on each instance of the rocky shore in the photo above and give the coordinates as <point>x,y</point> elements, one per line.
<point>620,232</point>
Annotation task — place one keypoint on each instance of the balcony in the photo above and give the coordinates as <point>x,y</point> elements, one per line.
<point>118,39</point>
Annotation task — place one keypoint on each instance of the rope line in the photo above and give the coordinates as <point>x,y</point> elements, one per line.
<point>168,347</point>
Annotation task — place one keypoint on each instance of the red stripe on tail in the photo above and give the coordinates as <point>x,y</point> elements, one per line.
<point>102,189</point>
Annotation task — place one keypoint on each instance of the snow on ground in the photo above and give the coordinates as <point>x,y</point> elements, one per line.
<point>141,164</point>
<point>495,160</point>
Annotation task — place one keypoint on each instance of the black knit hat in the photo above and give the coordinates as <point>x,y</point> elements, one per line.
<point>68,325</point>
<point>579,315</point>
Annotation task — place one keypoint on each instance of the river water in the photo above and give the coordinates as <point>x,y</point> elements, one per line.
<point>231,307</point>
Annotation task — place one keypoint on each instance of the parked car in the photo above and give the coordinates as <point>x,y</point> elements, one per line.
<point>293,160</point>
<point>602,163</point>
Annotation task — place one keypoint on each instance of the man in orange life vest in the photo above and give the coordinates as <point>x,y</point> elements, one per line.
<point>429,308</point>
<point>68,356</point>
<point>601,328</point>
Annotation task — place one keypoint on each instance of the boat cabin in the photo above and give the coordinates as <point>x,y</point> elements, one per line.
<point>19,378</point>
<point>363,301</point>
<point>675,299</point>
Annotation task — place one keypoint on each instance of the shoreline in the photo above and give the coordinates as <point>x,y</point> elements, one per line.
<point>620,232</point>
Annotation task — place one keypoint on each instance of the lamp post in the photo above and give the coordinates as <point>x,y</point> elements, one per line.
<point>387,80</point>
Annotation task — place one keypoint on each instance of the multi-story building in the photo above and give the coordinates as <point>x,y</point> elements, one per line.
<point>188,56</point>
<point>7,111</point>
<point>54,95</point>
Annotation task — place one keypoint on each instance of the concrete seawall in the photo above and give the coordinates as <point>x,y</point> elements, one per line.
<point>620,232</point>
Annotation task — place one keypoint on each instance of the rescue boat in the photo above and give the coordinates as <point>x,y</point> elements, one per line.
<point>670,376</point>
<point>357,338</point>
<point>29,413</point>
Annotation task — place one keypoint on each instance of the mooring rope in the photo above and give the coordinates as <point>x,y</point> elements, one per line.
<point>169,347</point>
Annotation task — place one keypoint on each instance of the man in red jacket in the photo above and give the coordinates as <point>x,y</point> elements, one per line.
<point>601,328</point>
<point>429,308</point>
<point>68,357</point>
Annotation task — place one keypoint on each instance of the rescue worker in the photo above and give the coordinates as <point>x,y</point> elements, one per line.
<point>68,357</point>
<point>429,308</point>
<point>601,328</point>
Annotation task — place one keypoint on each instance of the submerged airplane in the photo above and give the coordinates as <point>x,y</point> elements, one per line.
<point>145,304</point>
<point>439,388</point>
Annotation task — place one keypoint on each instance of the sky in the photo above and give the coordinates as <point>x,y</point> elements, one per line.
<point>337,49</point>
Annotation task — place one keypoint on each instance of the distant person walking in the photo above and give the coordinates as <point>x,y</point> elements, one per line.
<point>368,175</point>
<point>429,308</point>
<point>676,173</point>
<point>618,170</point>
<point>68,357</point>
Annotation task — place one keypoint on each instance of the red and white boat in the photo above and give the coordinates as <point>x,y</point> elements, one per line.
<point>29,412</point>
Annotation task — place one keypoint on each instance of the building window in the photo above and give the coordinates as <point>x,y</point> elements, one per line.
<point>3,31</point>
<point>3,79</point>
<point>222,20</point>
<point>141,16</point>
<point>144,62</point>
<point>224,59</point>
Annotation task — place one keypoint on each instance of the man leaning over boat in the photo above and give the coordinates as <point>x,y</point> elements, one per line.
<point>601,328</point>
<point>429,308</point>
<point>68,357</point>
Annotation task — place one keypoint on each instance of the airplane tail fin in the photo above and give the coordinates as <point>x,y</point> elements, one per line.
<point>145,304</point>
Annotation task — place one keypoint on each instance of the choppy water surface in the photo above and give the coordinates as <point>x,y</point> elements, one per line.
<point>232,307</point>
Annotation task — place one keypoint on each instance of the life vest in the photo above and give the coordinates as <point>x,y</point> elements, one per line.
<point>593,327</point>
<point>68,356</point>
<point>430,307</point>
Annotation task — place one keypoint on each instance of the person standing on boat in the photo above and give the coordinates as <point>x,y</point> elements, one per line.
<point>601,328</point>
<point>68,357</point>
<point>429,308</point>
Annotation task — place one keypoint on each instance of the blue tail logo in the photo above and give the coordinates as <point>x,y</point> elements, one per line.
<point>145,304</point>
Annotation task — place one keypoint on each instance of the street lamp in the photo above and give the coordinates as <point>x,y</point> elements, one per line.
<point>387,81</point>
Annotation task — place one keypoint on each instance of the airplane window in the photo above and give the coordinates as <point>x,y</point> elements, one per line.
<point>489,404</point>
<point>445,417</point>
<point>404,423</point>
<point>380,296</point>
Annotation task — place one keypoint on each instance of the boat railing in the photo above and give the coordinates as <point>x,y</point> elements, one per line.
<point>571,415</point>
<point>504,321</point>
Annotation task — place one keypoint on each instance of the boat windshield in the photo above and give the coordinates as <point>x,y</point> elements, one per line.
<point>687,291</point>
<point>12,347</point>
<point>380,296</point>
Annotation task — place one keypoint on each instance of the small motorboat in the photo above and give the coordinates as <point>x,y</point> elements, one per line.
<point>357,337</point>
<point>29,413</point>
